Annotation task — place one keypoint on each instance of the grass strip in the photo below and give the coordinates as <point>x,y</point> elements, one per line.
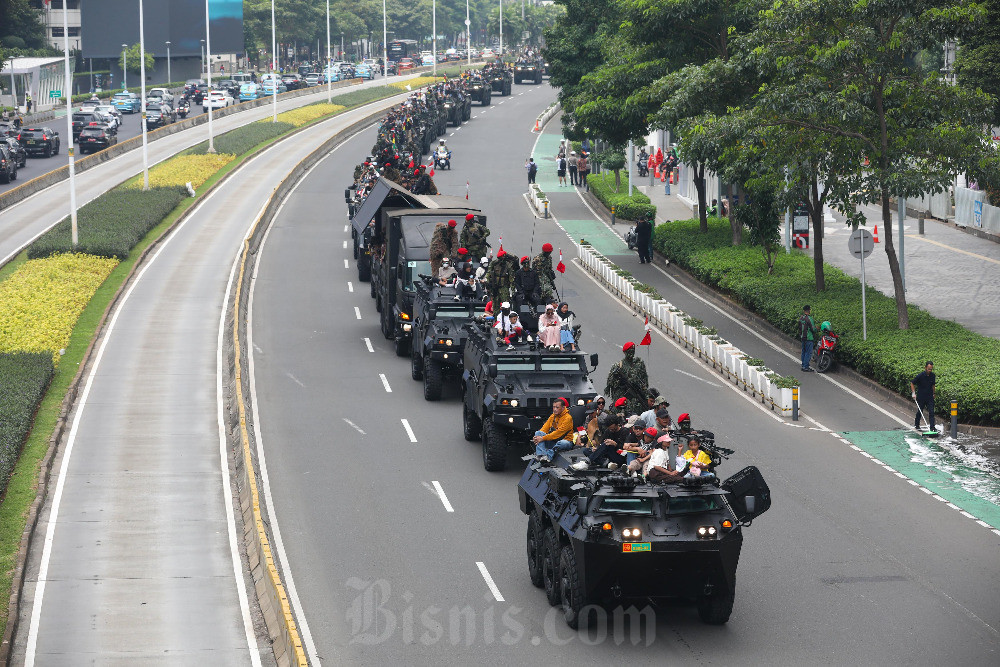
<point>626,208</point>
<point>967,364</point>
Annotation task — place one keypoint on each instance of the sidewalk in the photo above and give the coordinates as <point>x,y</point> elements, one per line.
<point>950,274</point>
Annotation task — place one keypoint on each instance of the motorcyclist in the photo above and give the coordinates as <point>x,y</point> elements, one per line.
<point>442,154</point>
<point>643,162</point>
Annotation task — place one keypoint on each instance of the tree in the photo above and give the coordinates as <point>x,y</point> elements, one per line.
<point>761,218</point>
<point>132,60</point>
<point>20,26</point>
<point>977,64</point>
<point>852,61</point>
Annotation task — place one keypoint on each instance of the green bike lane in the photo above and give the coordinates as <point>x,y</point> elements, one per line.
<point>957,473</point>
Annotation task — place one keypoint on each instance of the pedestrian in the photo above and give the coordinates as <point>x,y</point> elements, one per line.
<point>583,169</point>
<point>643,236</point>
<point>561,169</point>
<point>532,169</point>
<point>923,388</point>
<point>807,334</point>
<point>27,99</point>
<point>573,162</point>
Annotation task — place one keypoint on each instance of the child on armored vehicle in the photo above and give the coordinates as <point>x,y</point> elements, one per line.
<point>698,462</point>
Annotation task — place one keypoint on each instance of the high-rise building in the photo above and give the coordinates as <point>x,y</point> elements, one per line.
<point>53,20</point>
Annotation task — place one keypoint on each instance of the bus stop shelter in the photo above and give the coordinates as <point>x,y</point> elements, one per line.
<point>37,77</point>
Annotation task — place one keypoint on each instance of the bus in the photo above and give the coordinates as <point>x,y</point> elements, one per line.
<point>402,48</point>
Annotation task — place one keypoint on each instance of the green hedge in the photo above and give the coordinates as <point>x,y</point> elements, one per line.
<point>243,139</point>
<point>108,94</point>
<point>23,380</point>
<point>112,224</point>
<point>626,208</point>
<point>967,363</point>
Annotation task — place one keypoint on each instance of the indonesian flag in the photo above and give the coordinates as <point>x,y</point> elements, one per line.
<point>466,191</point>
<point>560,267</point>
<point>410,166</point>
<point>648,338</point>
<point>432,172</point>
<point>501,245</point>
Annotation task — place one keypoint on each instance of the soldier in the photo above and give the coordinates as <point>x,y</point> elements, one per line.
<point>500,277</point>
<point>474,235</point>
<point>628,378</point>
<point>542,265</point>
<point>444,243</point>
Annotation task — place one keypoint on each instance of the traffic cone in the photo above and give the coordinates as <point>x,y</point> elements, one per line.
<point>537,123</point>
<point>876,233</point>
<point>671,178</point>
<point>656,171</point>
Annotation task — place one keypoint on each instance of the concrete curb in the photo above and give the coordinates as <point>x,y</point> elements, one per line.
<point>546,116</point>
<point>45,467</point>
<point>277,612</point>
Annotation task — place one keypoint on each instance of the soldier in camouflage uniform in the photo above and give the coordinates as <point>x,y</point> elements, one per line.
<point>542,265</point>
<point>500,278</point>
<point>473,237</point>
<point>628,379</point>
<point>444,243</point>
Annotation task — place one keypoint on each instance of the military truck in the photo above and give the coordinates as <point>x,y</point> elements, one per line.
<point>480,90</point>
<point>528,70</point>
<point>392,230</point>
<point>597,537</point>
<point>439,334</point>
<point>507,394</point>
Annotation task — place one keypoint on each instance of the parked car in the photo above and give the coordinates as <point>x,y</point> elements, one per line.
<point>249,91</point>
<point>217,99</point>
<point>405,64</point>
<point>42,141</point>
<point>8,168</point>
<point>16,150</point>
<point>95,138</point>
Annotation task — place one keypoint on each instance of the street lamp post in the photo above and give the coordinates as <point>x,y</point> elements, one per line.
<point>202,55</point>
<point>341,45</point>
<point>274,67</point>
<point>434,41</point>
<point>69,129</point>
<point>168,62</point>
<point>142,90</point>
<point>124,66</point>
<point>501,31</point>
<point>385,46</point>
<point>208,56</point>
<point>326,71</point>
<point>468,34</point>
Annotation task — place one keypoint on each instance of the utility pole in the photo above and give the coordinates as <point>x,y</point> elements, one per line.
<point>208,56</point>
<point>468,34</point>
<point>501,30</point>
<point>274,67</point>
<point>385,46</point>
<point>124,66</point>
<point>168,62</point>
<point>434,41</point>
<point>142,89</point>
<point>69,128</point>
<point>326,70</point>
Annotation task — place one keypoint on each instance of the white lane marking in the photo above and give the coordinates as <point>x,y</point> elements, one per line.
<point>385,383</point>
<point>347,264</point>
<point>295,380</point>
<point>368,344</point>
<point>350,286</point>
<point>354,426</point>
<point>345,244</point>
<point>346,227</point>
<point>50,529</point>
<point>489,581</point>
<point>691,375</point>
<point>406,424</point>
<point>926,490</point>
<point>257,347</point>
<point>357,312</point>
<point>983,523</point>
<point>444,498</point>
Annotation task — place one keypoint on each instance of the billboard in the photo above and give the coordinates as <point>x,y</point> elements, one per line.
<point>107,24</point>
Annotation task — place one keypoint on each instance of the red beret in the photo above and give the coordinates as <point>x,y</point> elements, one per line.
<point>397,156</point>
<point>463,251</point>
<point>469,216</point>
<point>621,402</point>
<point>388,164</point>
<point>524,259</point>
<point>367,163</point>
<point>651,432</point>
<point>684,418</point>
<point>452,223</point>
<point>547,247</point>
<point>416,172</point>
<point>564,401</point>
<point>628,346</point>
<point>501,254</point>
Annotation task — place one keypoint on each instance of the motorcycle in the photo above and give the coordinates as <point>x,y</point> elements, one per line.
<point>632,239</point>
<point>643,165</point>
<point>442,160</point>
<point>183,109</point>
<point>823,355</point>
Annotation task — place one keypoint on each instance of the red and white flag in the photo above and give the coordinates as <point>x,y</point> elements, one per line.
<point>648,338</point>
<point>466,191</point>
<point>560,267</point>
<point>500,240</point>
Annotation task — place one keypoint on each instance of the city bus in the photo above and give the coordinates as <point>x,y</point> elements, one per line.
<point>402,48</point>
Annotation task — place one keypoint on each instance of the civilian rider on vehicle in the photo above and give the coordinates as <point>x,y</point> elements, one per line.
<point>553,435</point>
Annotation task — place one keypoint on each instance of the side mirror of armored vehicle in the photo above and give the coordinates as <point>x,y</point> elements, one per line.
<point>581,505</point>
<point>492,370</point>
<point>593,360</point>
<point>749,502</point>
<point>749,495</point>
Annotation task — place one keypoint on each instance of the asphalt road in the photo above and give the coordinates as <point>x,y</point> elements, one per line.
<point>133,561</point>
<point>853,564</point>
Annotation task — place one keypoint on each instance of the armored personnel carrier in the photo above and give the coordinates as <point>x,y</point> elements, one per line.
<point>508,394</point>
<point>480,90</point>
<point>597,537</point>
<point>528,70</point>
<point>440,334</point>
<point>455,106</point>
<point>500,79</point>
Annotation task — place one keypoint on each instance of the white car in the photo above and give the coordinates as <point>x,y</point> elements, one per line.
<point>375,64</point>
<point>114,113</point>
<point>487,53</point>
<point>217,99</point>
<point>162,93</point>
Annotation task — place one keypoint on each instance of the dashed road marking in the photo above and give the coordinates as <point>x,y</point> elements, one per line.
<point>692,375</point>
<point>345,244</point>
<point>347,264</point>
<point>444,498</point>
<point>353,425</point>
<point>489,581</point>
<point>295,380</point>
<point>350,286</point>
<point>406,425</point>
<point>346,227</point>
<point>368,344</point>
<point>385,383</point>
<point>357,312</point>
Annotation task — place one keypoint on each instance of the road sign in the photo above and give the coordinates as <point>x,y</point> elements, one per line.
<point>861,243</point>
<point>55,94</point>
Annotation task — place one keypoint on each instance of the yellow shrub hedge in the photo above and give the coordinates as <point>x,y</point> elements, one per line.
<point>41,301</point>
<point>193,169</point>
<point>303,115</point>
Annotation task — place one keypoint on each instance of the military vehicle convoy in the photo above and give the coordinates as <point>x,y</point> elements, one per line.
<point>458,107</point>
<point>597,537</point>
<point>507,394</point>
<point>500,78</point>
<point>439,334</point>
<point>528,70</point>
<point>480,90</point>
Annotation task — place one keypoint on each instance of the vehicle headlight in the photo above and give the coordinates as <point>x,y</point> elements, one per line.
<point>707,532</point>
<point>580,401</point>
<point>444,341</point>
<point>632,533</point>
<point>514,403</point>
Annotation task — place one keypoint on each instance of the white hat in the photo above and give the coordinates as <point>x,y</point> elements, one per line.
<point>446,261</point>
<point>505,304</point>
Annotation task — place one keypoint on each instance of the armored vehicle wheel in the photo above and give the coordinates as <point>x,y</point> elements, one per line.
<point>472,427</point>
<point>416,365</point>
<point>467,114</point>
<point>550,565</point>
<point>487,98</point>
<point>458,119</point>
<point>371,289</point>
<point>402,347</point>
<point>535,549</point>
<point>355,247</point>
<point>364,271</point>
<point>386,326</point>
<point>716,609</point>
<point>494,448</point>
<point>432,380</point>
<point>378,301</point>
<point>572,597</point>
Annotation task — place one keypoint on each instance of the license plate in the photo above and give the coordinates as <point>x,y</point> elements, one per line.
<point>31,142</point>
<point>634,547</point>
